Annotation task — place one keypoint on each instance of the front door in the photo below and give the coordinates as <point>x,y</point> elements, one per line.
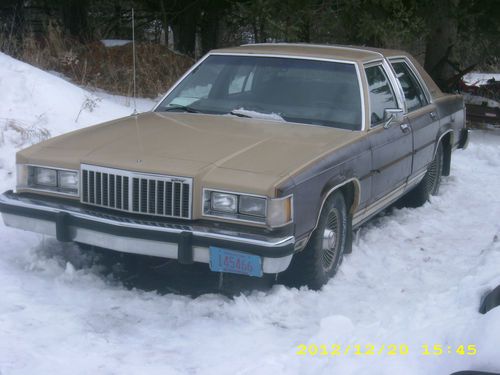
<point>392,147</point>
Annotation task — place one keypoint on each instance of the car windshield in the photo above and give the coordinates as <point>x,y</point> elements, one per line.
<point>284,89</point>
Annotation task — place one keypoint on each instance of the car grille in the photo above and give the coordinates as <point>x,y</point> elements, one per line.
<point>139,193</point>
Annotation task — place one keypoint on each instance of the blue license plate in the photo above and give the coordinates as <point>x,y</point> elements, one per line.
<point>224,260</point>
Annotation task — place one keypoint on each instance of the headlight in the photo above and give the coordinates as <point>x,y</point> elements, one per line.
<point>48,179</point>
<point>68,179</point>
<point>250,205</point>
<point>224,202</point>
<point>44,177</point>
<point>275,212</point>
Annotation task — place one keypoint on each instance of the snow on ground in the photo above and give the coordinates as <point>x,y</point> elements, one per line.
<point>416,277</point>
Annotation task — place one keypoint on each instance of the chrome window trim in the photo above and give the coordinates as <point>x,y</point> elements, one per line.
<point>143,175</point>
<point>30,188</point>
<point>401,93</point>
<point>285,56</point>
<point>372,61</point>
<point>393,81</point>
<point>415,72</point>
<point>326,46</point>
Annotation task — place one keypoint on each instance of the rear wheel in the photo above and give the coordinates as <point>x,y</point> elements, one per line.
<point>320,259</point>
<point>429,184</point>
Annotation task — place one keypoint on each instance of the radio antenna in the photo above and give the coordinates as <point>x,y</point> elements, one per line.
<point>133,62</point>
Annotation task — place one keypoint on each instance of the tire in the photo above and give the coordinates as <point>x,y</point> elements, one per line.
<point>323,254</point>
<point>429,184</point>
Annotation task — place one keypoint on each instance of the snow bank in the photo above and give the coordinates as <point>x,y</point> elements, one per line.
<point>33,96</point>
<point>35,105</point>
<point>415,278</point>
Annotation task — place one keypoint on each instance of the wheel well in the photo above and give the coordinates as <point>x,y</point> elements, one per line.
<point>350,195</point>
<point>351,192</point>
<point>446,142</point>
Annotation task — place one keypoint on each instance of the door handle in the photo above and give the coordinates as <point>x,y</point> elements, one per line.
<point>433,115</point>
<point>405,127</point>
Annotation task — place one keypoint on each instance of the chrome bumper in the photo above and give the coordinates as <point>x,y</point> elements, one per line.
<point>187,243</point>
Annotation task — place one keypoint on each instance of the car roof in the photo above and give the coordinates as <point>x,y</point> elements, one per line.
<point>336,52</point>
<point>332,52</point>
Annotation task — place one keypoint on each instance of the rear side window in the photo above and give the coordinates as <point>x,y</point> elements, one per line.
<point>381,93</point>
<point>414,95</point>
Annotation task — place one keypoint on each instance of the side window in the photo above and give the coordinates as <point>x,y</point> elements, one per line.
<point>414,96</point>
<point>381,93</point>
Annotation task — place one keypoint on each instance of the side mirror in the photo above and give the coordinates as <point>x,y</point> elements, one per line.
<point>391,115</point>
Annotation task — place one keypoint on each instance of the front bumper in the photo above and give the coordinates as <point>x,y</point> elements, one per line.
<point>187,243</point>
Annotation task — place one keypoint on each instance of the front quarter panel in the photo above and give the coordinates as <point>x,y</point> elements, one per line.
<point>311,186</point>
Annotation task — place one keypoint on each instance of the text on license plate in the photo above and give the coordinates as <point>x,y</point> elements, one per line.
<point>224,260</point>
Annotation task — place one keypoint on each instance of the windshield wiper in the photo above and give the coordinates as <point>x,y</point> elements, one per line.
<point>251,113</point>
<point>183,108</point>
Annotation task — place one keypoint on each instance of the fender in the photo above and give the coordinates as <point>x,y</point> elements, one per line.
<point>447,149</point>
<point>335,184</point>
<point>440,137</point>
<point>331,187</point>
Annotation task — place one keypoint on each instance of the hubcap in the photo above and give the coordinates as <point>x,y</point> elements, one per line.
<point>330,240</point>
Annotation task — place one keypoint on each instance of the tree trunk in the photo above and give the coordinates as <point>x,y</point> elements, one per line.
<point>74,17</point>
<point>209,31</point>
<point>443,27</point>
<point>184,28</point>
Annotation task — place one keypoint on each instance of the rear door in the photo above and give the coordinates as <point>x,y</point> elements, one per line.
<point>391,147</point>
<point>421,114</point>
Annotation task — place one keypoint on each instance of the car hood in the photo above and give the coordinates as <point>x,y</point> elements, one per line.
<point>218,149</point>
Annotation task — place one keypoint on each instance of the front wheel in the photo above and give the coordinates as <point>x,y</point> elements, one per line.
<point>321,257</point>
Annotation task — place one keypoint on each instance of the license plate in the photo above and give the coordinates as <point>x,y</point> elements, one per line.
<point>224,260</point>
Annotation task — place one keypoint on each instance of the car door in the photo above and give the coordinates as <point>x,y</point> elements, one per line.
<point>422,115</point>
<point>391,146</point>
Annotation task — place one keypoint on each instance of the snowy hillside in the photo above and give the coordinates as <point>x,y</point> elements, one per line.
<point>415,278</point>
